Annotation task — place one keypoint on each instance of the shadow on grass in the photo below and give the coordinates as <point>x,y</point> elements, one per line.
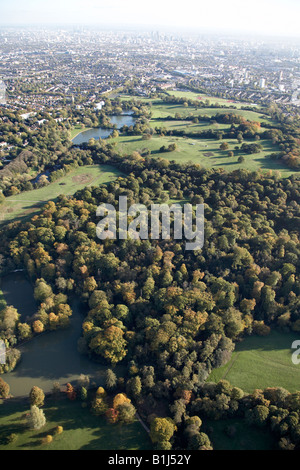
<point>81,429</point>
<point>244,437</point>
<point>29,212</point>
<point>73,417</point>
<point>131,140</point>
<point>276,340</point>
<point>225,163</point>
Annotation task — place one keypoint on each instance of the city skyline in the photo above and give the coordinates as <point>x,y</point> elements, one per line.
<point>264,17</point>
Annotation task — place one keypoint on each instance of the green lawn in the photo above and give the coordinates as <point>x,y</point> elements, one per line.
<point>192,96</point>
<point>260,362</point>
<point>163,110</point>
<point>206,152</point>
<point>203,97</point>
<point>29,202</point>
<point>188,126</point>
<point>245,437</point>
<point>82,430</point>
<point>125,97</point>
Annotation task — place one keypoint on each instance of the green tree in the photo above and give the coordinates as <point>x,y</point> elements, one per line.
<point>42,291</point>
<point>99,406</point>
<point>224,146</point>
<point>126,413</point>
<point>83,394</point>
<point>199,441</point>
<point>161,429</point>
<point>37,396</point>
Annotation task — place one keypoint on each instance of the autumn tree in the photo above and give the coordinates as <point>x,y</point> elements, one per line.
<point>70,392</point>
<point>161,429</point>
<point>37,396</point>
<point>4,389</point>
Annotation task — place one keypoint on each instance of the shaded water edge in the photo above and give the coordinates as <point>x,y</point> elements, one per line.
<point>52,356</point>
<point>101,132</point>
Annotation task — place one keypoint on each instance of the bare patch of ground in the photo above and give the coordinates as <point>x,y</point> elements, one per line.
<point>82,179</point>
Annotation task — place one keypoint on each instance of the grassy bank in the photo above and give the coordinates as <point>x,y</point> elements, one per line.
<point>29,202</point>
<point>260,362</point>
<point>205,152</point>
<point>77,130</point>
<point>82,430</point>
<point>243,438</point>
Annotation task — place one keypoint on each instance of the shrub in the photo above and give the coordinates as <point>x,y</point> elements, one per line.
<point>47,439</point>
<point>12,438</point>
<point>58,430</point>
<point>259,328</point>
<point>101,393</point>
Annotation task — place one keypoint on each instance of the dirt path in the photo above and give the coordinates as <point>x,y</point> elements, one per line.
<point>142,423</point>
<point>231,365</point>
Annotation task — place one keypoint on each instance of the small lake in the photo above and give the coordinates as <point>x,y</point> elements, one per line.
<point>100,132</point>
<point>52,356</point>
<point>18,292</point>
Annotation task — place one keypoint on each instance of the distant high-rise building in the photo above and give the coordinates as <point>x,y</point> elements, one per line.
<point>2,93</point>
<point>262,83</point>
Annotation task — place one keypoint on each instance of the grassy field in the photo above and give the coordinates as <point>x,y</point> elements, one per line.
<point>162,110</point>
<point>191,95</point>
<point>27,203</point>
<point>206,152</point>
<point>244,438</point>
<point>187,126</point>
<point>125,97</point>
<point>82,430</point>
<point>260,362</point>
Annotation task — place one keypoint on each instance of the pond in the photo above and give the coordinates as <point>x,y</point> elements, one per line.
<point>18,292</point>
<point>100,132</point>
<point>52,356</point>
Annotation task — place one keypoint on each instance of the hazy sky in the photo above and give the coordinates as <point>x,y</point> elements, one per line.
<point>272,17</point>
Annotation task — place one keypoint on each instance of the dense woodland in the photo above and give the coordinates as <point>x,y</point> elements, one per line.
<point>168,314</point>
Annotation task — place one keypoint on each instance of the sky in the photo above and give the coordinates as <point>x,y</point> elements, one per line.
<point>269,17</point>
